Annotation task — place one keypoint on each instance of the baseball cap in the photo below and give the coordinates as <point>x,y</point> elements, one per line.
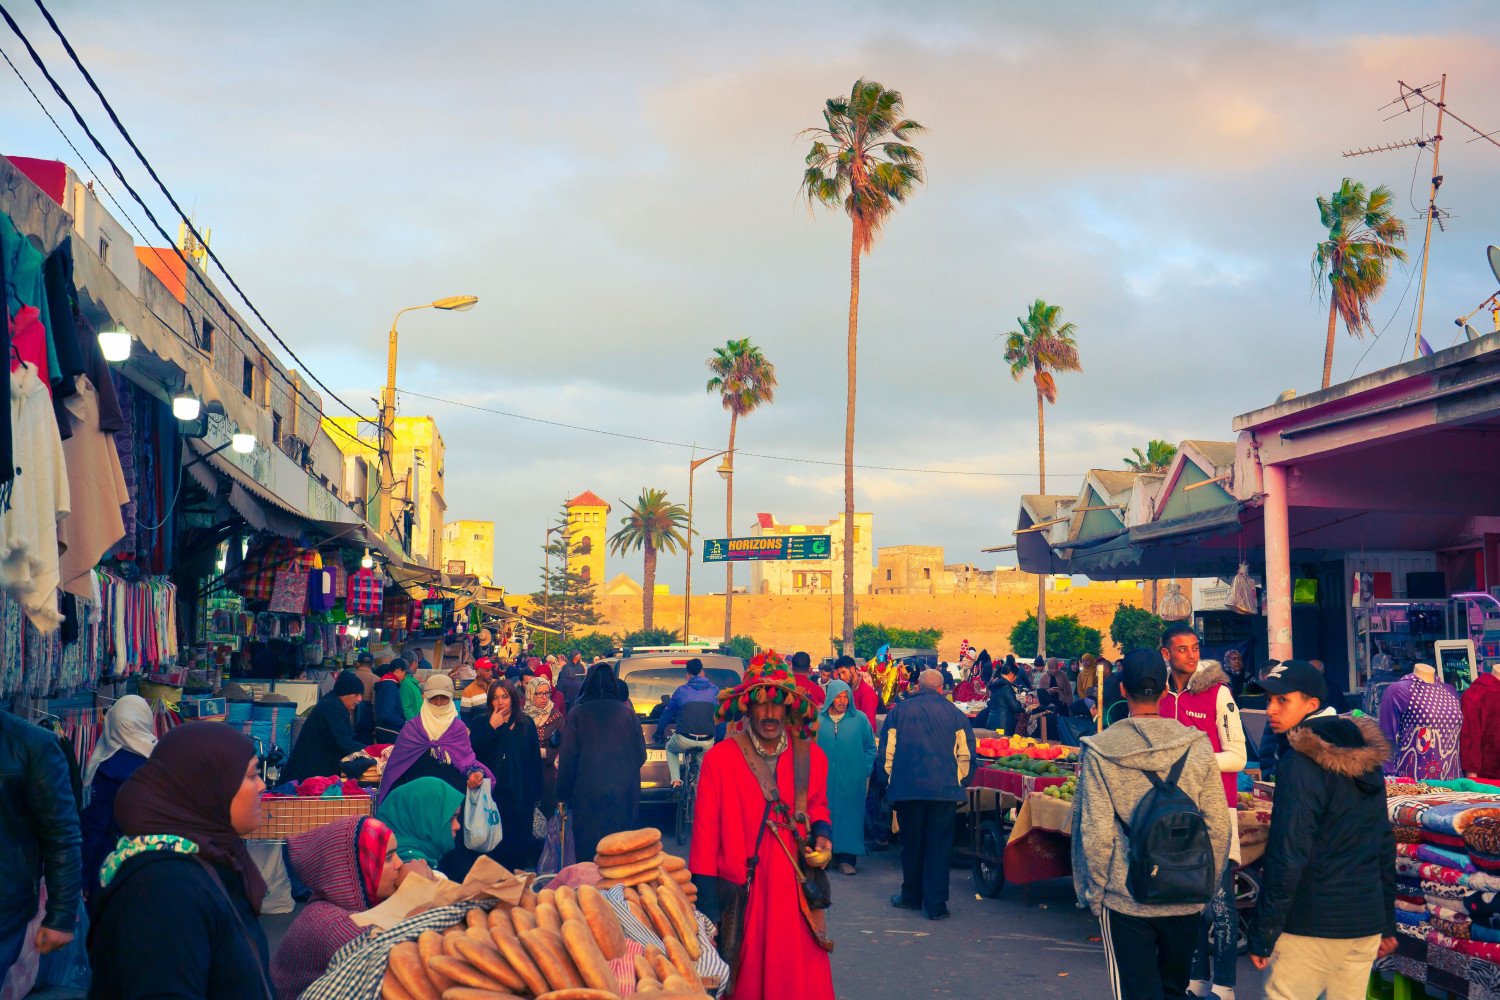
<point>1143,673</point>
<point>1294,675</point>
<point>365,657</point>
<point>436,686</point>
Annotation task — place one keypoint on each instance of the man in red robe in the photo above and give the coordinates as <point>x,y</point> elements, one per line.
<point>781,957</point>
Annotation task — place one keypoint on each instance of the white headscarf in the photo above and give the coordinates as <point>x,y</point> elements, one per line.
<point>437,720</point>
<point>129,725</point>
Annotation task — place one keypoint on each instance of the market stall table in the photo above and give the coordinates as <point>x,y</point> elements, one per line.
<point>992,795</point>
<point>1040,845</point>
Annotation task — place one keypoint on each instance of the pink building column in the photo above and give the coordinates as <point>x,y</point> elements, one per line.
<point>1278,564</point>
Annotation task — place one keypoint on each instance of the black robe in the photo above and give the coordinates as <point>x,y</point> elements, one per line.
<point>513,756</point>
<point>327,737</point>
<point>599,771</point>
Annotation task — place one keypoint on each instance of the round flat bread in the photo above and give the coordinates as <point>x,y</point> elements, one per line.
<point>630,880</point>
<point>673,863</point>
<point>635,867</point>
<point>628,840</point>
<point>650,850</point>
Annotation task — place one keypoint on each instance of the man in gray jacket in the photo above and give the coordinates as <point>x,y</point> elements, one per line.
<point>1148,947</point>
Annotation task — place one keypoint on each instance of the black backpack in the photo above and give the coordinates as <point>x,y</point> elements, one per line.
<point>1171,855</point>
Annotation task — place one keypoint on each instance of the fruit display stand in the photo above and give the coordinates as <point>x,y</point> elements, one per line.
<point>1040,844</point>
<point>1009,772</point>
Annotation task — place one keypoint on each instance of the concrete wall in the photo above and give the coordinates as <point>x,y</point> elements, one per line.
<point>791,622</point>
<point>473,544</point>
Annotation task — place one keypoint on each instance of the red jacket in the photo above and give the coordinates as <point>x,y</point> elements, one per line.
<point>1208,706</point>
<point>868,702</point>
<point>1479,738</point>
<point>813,689</point>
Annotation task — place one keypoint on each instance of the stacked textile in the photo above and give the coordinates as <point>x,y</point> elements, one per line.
<point>1448,869</point>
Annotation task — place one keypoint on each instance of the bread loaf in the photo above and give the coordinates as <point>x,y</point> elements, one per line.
<point>628,840</point>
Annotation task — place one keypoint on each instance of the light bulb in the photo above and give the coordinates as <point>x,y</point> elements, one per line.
<point>186,406</point>
<point>115,343</point>
<point>368,562</point>
<point>243,443</point>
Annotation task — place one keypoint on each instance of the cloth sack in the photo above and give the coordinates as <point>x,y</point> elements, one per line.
<point>558,852</point>
<point>482,829</point>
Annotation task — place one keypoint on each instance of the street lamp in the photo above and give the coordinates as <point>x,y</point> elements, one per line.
<point>453,303</point>
<point>687,584</point>
<point>726,470</point>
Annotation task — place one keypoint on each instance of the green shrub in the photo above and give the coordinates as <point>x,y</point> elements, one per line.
<point>1135,628</point>
<point>1067,638</point>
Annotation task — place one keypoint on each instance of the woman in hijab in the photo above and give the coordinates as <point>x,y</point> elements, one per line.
<point>849,744</point>
<point>540,669</point>
<point>423,814</point>
<point>599,765</point>
<point>350,865</point>
<point>505,741</point>
<point>127,739</point>
<point>183,815</point>
<point>435,744</point>
<point>544,712</point>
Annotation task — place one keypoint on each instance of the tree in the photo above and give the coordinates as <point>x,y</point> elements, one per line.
<point>1042,346</point>
<point>649,637</point>
<point>742,646</point>
<point>1157,456</point>
<point>861,162</point>
<point>1068,638</point>
<point>870,636</point>
<point>744,381</point>
<point>654,524</point>
<point>1355,259</point>
<point>1135,628</point>
<point>566,597</point>
<point>594,645</point>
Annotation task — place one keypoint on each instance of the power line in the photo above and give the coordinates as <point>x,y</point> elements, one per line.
<point>737,451</point>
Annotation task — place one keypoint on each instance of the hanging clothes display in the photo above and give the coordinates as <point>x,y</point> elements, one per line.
<point>1422,719</point>
<point>96,488</point>
<point>44,665</point>
<point>365,595</point>
<point>33,502</point>
<point>140,623</point>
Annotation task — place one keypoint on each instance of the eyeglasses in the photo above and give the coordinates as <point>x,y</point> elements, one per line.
<point>542,691</point>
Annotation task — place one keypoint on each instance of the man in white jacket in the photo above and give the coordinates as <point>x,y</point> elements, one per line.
<point>1198,696</point>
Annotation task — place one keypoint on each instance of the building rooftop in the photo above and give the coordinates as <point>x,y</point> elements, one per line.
<point>1220,453</point>
<point>588,498</point>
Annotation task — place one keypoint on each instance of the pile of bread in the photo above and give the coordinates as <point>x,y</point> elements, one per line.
<point>558,944</point>
<point>634,858</point>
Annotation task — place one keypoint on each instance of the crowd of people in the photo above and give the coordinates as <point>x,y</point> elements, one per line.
<point>818,765</point>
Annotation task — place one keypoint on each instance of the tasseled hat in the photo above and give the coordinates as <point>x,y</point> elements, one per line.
<point>769,679</point>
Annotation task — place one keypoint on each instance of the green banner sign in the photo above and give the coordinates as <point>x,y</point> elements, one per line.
<point>767,548</point>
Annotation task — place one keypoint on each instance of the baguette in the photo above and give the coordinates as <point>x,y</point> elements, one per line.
<point>522,921</point>
<point>677,952</point>
<point>643,968</point>
<point>593,967</point>
<point>628,840</point>
<point>661,963</point>
<point>567,904</point>
<point>450,943</point>
<point>391,988</point>
<point>603,921</point>
<point>487,960</point>
<point>406,962</point>
<point>678,984</point>
<point>470,993</point>
<point>628,856</point>
<point>500,915</point>
<point>464,974</point>
<point>430,943</point>
<point>546,949</point>
<point>514,952</point>
<point>639,914</point>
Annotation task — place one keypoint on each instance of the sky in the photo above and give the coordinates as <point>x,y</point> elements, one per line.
<point>618,183</point>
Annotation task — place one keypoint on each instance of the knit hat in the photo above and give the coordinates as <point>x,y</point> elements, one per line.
<point>768,678</point>
<point>348,682</point>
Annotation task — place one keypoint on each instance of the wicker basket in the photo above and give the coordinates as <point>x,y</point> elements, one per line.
<point>284,816</point>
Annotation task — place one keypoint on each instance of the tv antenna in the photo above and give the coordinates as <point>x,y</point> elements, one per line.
<point>1409,99</point>
<point>1492,303</point>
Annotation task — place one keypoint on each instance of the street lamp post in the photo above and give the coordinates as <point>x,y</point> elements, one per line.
<point>687,584</point>
<point>453,303</point>
<point>726,470</point>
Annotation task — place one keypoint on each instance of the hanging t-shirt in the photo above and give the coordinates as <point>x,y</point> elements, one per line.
<point>33,503</point>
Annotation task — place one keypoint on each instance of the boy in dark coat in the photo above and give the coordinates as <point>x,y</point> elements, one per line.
<point>1327,899</point>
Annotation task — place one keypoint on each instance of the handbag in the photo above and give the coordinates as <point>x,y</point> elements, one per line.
<point>557,852</point>
<point>538,824</point>
<point>289,593</point>
<point>482,828</point>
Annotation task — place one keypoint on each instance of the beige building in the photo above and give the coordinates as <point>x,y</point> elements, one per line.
<point>814,576</point>
<point>588,527</point>
<point>417,461</point>
<point>469,547</point>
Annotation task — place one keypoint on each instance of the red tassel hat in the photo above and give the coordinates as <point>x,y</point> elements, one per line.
<point>768,678</point>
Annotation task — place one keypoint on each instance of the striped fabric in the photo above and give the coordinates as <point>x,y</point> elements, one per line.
<point>365,593</point>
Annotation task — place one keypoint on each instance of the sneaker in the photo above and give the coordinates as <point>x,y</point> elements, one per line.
<point>845,868</point>
<point>942,914</point>
<point>1222,993</point>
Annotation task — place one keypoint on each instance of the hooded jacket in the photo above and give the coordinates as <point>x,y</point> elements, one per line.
<point>1207,705</point>
<point>1479,739</point>
<point>1330,862</point>
<point>1111,781</point>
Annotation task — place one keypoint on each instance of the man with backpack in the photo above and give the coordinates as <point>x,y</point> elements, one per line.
<point>1150,837</point>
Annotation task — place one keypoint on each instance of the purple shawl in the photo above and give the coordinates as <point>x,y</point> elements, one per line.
<point>453,747</point>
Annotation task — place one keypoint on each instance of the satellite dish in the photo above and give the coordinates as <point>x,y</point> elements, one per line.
<point>1470,332</point>
<point>1286,395</point>
<point>1494,253</point>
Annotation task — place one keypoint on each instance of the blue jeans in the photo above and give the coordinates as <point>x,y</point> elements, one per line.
<point>1219,935</point>
<point>678,746</point>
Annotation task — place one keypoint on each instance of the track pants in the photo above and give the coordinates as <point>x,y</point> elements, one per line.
<point>1148,958</point>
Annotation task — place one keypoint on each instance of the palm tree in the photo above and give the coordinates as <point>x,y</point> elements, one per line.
<point>1356,257</point>
<point>1042,346</point>
<point>1157,456</point>
<point>656,525</point>
<point>860,161</point>
<point>744,381</point>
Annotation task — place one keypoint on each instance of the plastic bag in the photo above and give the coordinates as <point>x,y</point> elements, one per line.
<point>558,853</point>
<point>482,831</point>
<point>1242,597</point>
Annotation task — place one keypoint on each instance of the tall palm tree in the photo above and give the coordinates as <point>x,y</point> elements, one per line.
<point>861,162</point>
<point>744,381</point>
<point>655,524</point>
<point>1042,346</point>
<point>1157,456</point>
<point>1355,259</point>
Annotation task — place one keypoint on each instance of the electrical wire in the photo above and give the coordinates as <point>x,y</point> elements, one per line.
<point>188,287</point>
<point>737,451</point>
<point>130,141</point>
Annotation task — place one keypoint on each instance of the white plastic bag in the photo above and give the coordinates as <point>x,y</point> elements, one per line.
<point>482,830</point>
<point>1242,596</point>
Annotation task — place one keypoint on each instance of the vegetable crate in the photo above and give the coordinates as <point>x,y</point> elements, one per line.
<point>285,816</point>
